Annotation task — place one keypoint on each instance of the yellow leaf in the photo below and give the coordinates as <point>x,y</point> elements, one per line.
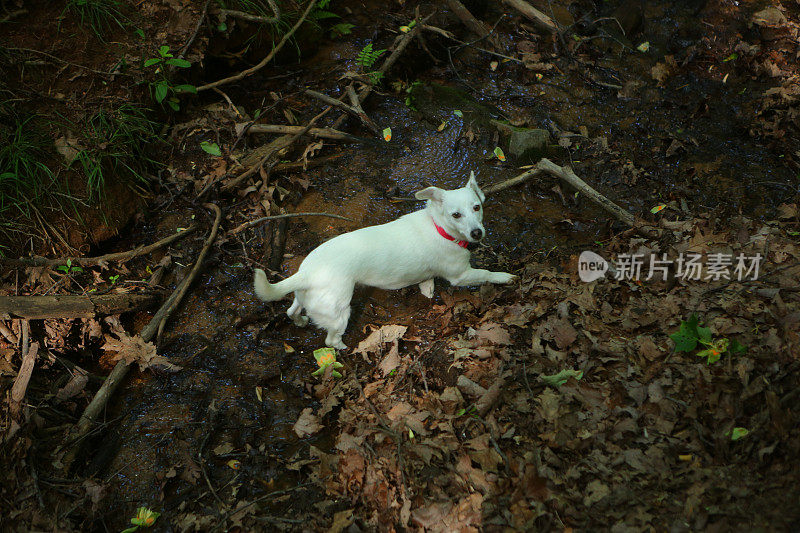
<point>260,394</point>
<point>387,134</point>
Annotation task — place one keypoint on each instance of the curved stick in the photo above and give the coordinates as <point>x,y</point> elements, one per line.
<point>263,63</point>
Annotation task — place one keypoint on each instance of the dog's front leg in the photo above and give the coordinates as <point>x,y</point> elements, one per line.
<point>426,288</point>
<point>476,276</point>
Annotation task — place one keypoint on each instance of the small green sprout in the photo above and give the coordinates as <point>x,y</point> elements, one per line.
<point>144,518</point>
<point>326,357</point>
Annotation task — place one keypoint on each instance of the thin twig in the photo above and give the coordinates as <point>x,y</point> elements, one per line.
<point>119,372</point>
<point>263,63</point>
<point>258,221</point>
<point>195,32</point>
<point>279,144</point>
<point>179,294</point>
<point>255,18</point>
<point>224,519</point>
<point>91,261</point>
<point>51,56</point>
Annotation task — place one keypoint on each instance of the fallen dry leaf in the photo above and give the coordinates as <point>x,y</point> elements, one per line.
<point>307,424</point>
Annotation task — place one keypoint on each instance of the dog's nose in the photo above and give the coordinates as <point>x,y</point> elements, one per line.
<point>476,234</point>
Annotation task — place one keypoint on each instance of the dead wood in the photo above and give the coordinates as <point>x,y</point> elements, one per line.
<point>258,221</point>
<point>362,116</point>
<point>149,332</point>
<point>74,305</point>
<point>8,334</point>
<point>398,47</point>
<point>469,387</point>
<point>566,174</point>
<point>295,165</point>
<point>354,109</point>
<point>267,59</point>
<point>274,149</point>
<point>321,133</point>
<point>20,385</point>
<point>539,19</point>
<point>255,18</point>
<point>278,244</point>
<point>100,260</point>
<point>22,379</point>
<point>486,402</point>
<point>197,27</point>
<point>468,19</point>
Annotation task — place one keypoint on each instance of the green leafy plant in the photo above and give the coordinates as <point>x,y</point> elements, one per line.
<point>738,433</point>
<point>367,56</point>
<point>691,333</point>
<point>410,94</point>
<point>341,29</point>
<point>101,16</point>
<point>163,88</point>
<point>211,148</point>
<point>320,11</point>
<point>68,268</point>
<point>366,59</point>
<point>113,279</point>
<point>144,518</point>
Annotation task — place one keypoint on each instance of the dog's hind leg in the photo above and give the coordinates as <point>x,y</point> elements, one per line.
<point>336,329</point>
<point>295,313</point>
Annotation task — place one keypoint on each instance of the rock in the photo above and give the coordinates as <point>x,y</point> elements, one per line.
<point>528,145</point>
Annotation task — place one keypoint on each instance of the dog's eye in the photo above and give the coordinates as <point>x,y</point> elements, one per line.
<point>476,208</point>
<point>456,215</point>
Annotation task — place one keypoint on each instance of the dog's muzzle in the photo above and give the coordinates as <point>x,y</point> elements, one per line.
<point>476,234</point>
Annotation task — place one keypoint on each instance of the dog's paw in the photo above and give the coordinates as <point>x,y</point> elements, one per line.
<point>503,277</point>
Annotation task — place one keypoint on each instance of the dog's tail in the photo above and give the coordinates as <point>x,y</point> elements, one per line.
<point>269,292</point>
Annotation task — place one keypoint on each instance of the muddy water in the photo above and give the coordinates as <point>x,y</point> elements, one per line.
<point>213,405</point>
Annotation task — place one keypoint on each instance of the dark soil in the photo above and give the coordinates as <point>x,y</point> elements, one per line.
<point>683,113</point>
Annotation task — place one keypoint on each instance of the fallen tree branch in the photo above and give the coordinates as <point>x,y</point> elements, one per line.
<point>486,402</point>
<point>258,221</point>
<point>98,403</point>
<point>91,261</point>
<point>14,14</point>
<point>360,113</point>
<point>277,147</point>
<point>566,174</point>
<point>20,385</point>
<point>195,32</point>
<point>73,305</point>
<point>354,110</point>
<point>176,298</point>
<point>322,133</point>
<point>468,19</point>
<point>540,20</point>
<point>267,59</point>
<point>399,46</point>
<point>294,165</point>
<point>255,18</point>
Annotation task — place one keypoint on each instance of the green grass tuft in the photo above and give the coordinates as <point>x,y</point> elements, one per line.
<point>115,146</point>
<point>24,177</point>
<point>100,16</point>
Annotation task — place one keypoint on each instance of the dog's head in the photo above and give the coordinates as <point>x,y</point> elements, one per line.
<point>459,212</point>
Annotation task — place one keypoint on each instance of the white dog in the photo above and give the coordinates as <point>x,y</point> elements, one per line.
<point>413,249</point>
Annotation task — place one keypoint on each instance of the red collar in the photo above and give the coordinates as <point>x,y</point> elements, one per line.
<point>447,236</point>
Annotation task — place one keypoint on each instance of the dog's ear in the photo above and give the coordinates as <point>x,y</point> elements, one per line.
<point>431,193</point>
<point>472,183</point>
